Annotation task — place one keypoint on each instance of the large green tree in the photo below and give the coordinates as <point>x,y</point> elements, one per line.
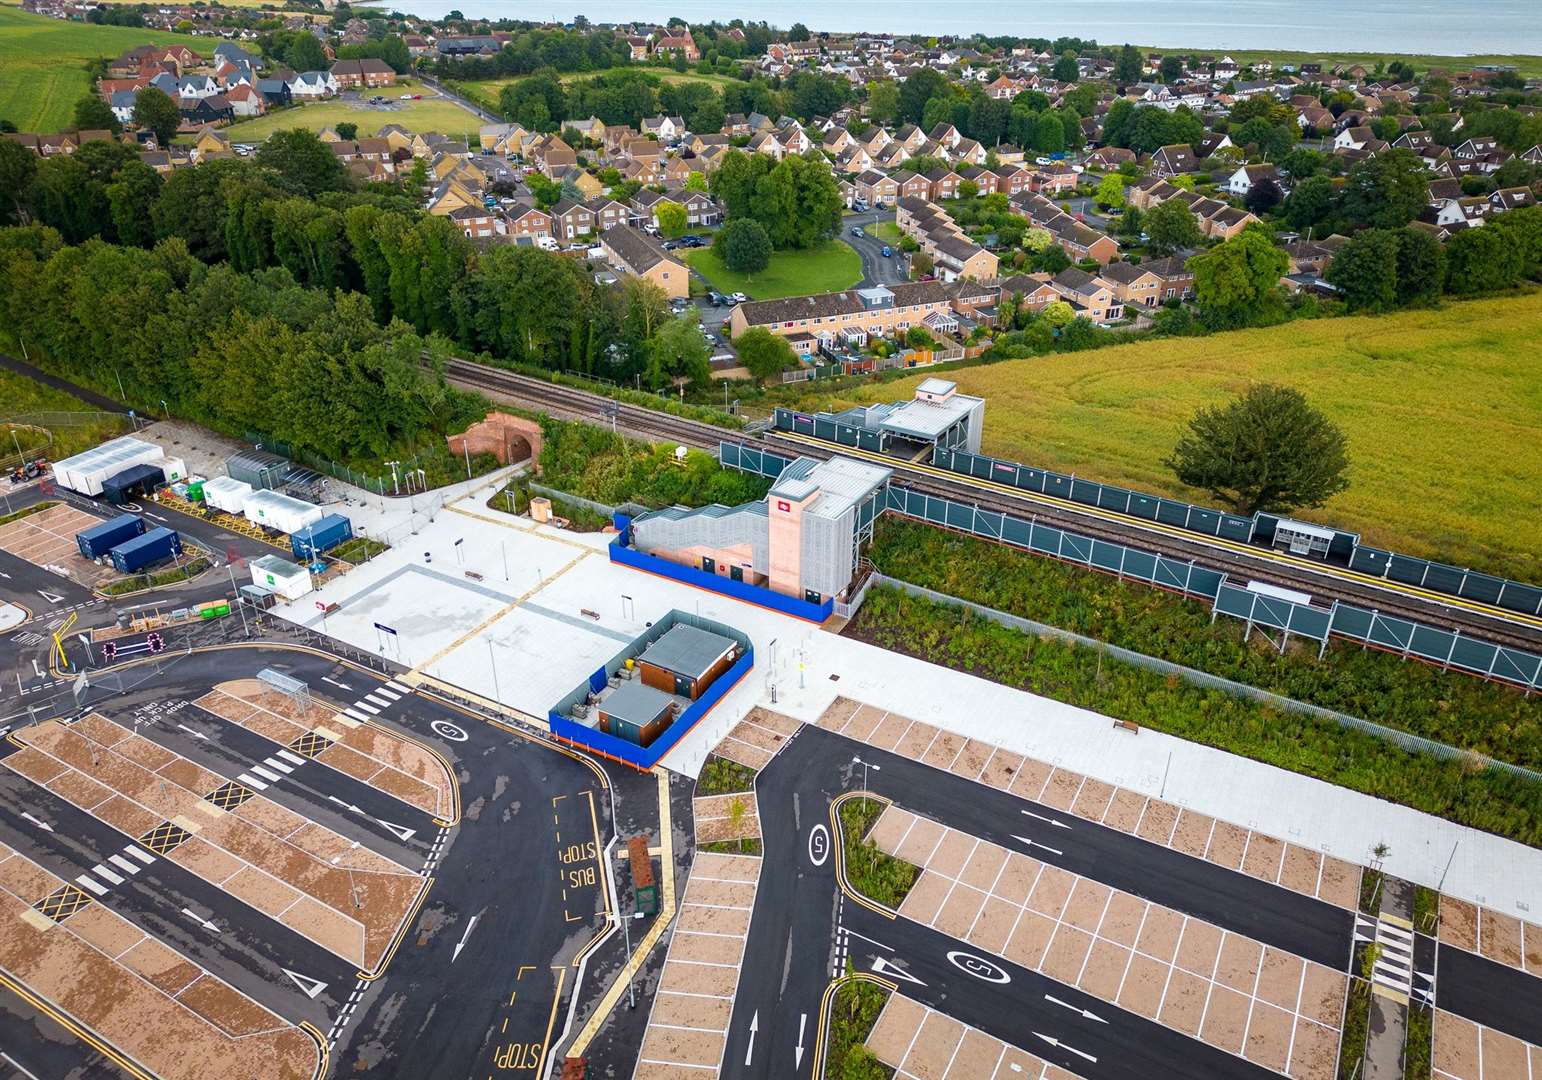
<point>94,114</point>
<point>744,245</point>
<point>303,163</point>
<point>18,170</point>
<point>154,111</point>
<point>131,199</point>
<point>677,351</point>
<point>1365,270</point>
<point>1386,191</point>
<point>1267,450</point>
<point>765,354</point>
<point>1237,283</point>
<point>1171,227</point>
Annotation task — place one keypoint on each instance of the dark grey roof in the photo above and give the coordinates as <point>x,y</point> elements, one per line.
<point>687,650</point>
<point>635,702</point>
<point>634,248</point>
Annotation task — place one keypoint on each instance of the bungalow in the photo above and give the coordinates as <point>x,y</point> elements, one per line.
<point>1109,158</point>
<point>197,112</point>
<point>1248,176</point>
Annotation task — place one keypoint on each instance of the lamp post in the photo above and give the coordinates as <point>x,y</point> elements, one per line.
<point>865,766</point>
<point>492,661</point>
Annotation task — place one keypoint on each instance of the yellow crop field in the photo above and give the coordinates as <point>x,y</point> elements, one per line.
<point>1442,410</point>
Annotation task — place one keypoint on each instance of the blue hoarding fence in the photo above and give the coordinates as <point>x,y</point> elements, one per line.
<point>621,552</point>
<point>578,733</point>
<point>752,459</point>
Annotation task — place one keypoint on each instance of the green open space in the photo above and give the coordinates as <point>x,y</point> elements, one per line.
<point>49,422</point>
<point>485,92</point>
<point>830,267</point>
<point>1461,789</point>
<point>1441,409</point>
<point>433,113</point>
<point>1525,64</point>
<point>43,63</point>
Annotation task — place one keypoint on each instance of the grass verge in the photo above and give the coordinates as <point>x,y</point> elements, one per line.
<point>1452,490</point>
<point>873,873</point>
<point>1447,706</point>
<point>27,511</point>
<point>852,1016</point>
<point>1357,1016</point>
<point>1418,1049</point>
<point>48,422</point>
<point>750,845</point>
<point>1426,909</point>
<point>359,550</point>
<point>1370,891</point>
<point>1459,790</point>
<point>719,776</point>
<point>830,267</point>
<point>433,113</point>
<point>140,582</point>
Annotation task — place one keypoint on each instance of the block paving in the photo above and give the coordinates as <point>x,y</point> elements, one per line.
<point>1264,857</point>
<point>1501,938</point>
<point>1468,1051</point>
<point>144,998</point>
<point>259,852</point>
<point>1264,1004</point>
<point>919,1043</point>
<point>693,1003</point>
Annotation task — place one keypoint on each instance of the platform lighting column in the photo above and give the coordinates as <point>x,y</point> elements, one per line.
<point>492,661</point>
<point>865,767</point>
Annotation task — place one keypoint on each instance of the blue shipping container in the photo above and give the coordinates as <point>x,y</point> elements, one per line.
<point>323,535</point>
<point>157,544</point>
<point>102,537</point>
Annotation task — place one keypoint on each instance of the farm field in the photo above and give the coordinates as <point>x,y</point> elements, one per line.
<point>43,59</point>
<point>1442,409</point>
<point>431,114</point>
<point>830,267</point>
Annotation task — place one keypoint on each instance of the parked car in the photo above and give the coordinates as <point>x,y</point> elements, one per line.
<point>717,298</point>
<point>857,230</point>
<point>1042,161</point>
<point>738,298</point>
<point>859,205</point>
<point>693,241</point>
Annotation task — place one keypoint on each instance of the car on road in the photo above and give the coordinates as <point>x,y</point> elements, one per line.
<point>693,241</point>
<point>887,251</point>
<point>857,230</point>
<point>738,298</point>
<point>716,298</point>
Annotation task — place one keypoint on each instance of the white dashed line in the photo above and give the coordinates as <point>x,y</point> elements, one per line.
<point>123,864</point>
<point>90,883</point>
<point>101,871</point>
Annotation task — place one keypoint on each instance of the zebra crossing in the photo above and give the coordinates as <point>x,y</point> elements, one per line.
<point>1394,972</point>
<point>126,863</point>
<point>273,769</point>
<point>371,704</point>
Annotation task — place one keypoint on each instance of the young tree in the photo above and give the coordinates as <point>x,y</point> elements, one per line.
<point>671,218</point>
<point>1059,314</point>
<point>1171,227</point>
<point>1365,270</point>
<point>1053,259</point>
<point>1268,449</point>
<point>1110,192</point>
<point>94,114</point>
<point>155,111</point>
<point>921,264</point>
<point>697,181</point>
<point>1238,283</point>
<point>346,130</point>
<point>765,354</point>
<point>744,246</point>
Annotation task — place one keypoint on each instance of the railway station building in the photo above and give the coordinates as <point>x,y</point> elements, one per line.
<point>802,541</point>
<point>938,415</point>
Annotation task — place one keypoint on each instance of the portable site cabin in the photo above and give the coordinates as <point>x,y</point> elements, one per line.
<point>636,712</point>
<point>132,482</point>
<point>321,535</point>
<point>685,661</point>
<point>279,575</point>
<point>273,510</point>
<point>86,472</point>
<point>259,468</point>
<point>97,540</point>
<point>156,545</point>
<point>226,493</point>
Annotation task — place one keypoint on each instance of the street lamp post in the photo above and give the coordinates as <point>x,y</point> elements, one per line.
<point>865,766</point>
<point>492,661</point>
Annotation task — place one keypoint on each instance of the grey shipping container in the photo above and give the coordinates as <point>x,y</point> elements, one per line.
<point>135,480</point>
<point>258,468</point>
<point>102,537</point>
<point>142,551</point>
<point>323,535</point>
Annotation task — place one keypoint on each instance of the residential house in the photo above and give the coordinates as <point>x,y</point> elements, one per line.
<point>1353,138</point>
<point>196,112</point>
<point>635,253</point>
<point>363,74</point>
<point>313,85</point>
<point>479,222</point>
<point>1091,296</point>
<point>1173,160</point>
<point>882,311</point>
<point>942,184</point>
<point>1248,176</point>
<point>953,254</point>
<point>1031,292</point>
<point>912,185</point>
<point>245,101</point>
<point>529,221</point>
<point>1109,158</point>
<point>570,220</point>
<point>609,213</point>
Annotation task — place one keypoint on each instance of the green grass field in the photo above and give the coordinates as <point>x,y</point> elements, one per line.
<point>42,63</point>
<point>1442,409</point>
<point>485,91</point>
<point>830,267</point>
<point>39,413</point>
<point>431,114</point>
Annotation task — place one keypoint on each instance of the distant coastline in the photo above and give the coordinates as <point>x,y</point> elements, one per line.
<point>1484,30</point>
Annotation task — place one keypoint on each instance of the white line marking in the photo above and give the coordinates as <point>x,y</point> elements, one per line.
<point>123,864</point>
<point>250,782</point>
<point>12,1061</point>
<point>1052,821</point>
<point>101,871</point>
<point>272,778</point>
<point>293,759</point>
<point>143,856</point>
<point>274,763</point>
<point>89,882</point>
<point>384,703</point>
<point>367,708</point>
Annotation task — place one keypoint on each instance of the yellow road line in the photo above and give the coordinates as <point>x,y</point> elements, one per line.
<point>662,920</point>
<point>1324,569</point>
<point>838,842</point>
<point>817,1064</point>
<point>503,521</point>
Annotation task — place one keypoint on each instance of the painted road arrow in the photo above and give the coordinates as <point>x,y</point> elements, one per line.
<point>190,731</point>
<point>402,832</point>
<point>797,1054</point>
<point>345,805</point>
<point>1035,843</point>
<point>1067,1005</point>
<point>472,925</point>
<point>201,921</point>
<point>1058,1045</point>
<point>754,1027</point>
<point>1052,821</point>
<point>39,822</point>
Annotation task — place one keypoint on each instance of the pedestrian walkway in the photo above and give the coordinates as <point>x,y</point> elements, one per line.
<point>1393,973</point>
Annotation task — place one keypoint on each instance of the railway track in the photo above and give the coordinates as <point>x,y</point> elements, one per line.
<point>1323,583</point>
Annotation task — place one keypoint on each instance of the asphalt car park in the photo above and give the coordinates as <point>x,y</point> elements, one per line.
<point>327,865</point>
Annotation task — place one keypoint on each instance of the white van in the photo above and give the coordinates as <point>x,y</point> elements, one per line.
<point>546,243</point>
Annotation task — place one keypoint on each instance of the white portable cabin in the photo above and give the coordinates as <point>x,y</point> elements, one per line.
<point>87,471</point>
<point>227,493</point>
<point>273,510</point>
<point>279,575</point>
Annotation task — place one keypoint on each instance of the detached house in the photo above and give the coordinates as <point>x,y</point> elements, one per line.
<point>1172,160</point>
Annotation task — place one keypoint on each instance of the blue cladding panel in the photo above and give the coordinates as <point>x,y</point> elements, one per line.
<point>1342,545</point>
<point>1482,587</point>
<point>1231,600</point>
<point>1518,667</point>
<point>1144,506</point>
<point>1204,582</point>
<point>1408,571</point>
<point>1474,655</point>
<point>1112,498</point>
<point>1057,485</point>
<point>1235,528</point>
<point>1172,574</point>
<point>1107,556</point>
<point>958,515</point>
<point>1016,531</point>
<point>1369,561</point>
<point>1045,539</point>
<point>1432,644</point>
<point>1075,547</point>
<point>1351,621</point>
<point>1173,513</point>
<point>1518,597</point>
<point>989,522</point>
<point>1141,564</point>
<point>1085,492</point>
<point>739,590</point>
<point>1310,622</point>
<point>1205,521</point>
<point>1271,612</point>
<point>1391,633</point>
<point>1446,579</point>
<point>1263,528</point>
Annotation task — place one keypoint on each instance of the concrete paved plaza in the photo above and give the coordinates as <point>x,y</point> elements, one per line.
<point>561,608</point>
